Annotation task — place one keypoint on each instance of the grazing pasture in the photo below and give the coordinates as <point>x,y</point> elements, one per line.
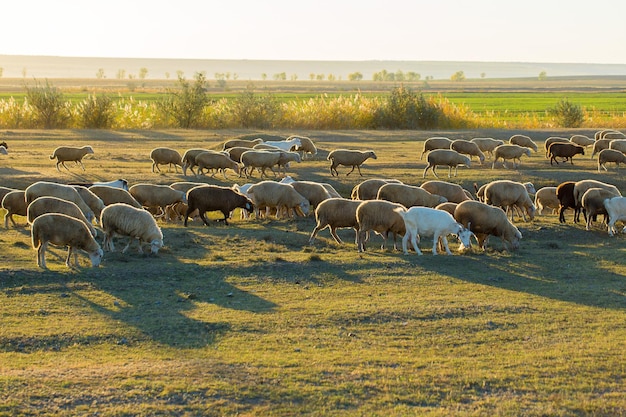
<point>249,319</point>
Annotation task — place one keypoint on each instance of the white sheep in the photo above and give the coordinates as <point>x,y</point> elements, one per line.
<point>487,144</point>
<point>46,204</point>
<point>336,213</point>
<point>111,195</point>
<point>3,150</point>
<point>614,135</point>
<point>189,159</point>
<point>446,157</point>
<point>509,151</point>
<point>616,210</point>
<point>509,195</point>
<point>348,157</point>
<point>600,145</point>
<point>381,217</point>
<point>163,156</point>
<point>546,197</point>
<point>138,224</point>
<point>63,230</point>
<point>618,145</point>
<point>409,195</point>
<point>306,147</point>
<point>65,192</point>
<point>156,196</point>
<point>426,221</point>
<point>94,202</point>
<point>469,148</point>
<point>14,202</point>
<point>312,191</point>
<point>485,220</point>
<point>580,187</point>
<point>245,143</point>
<point>68,153</point>
<point>610,155</point>
<point>452,192</point>
<point>437,142</point>
<point>271,194</point>
<point>600,134</point>
<point>285,145</point>
<point>285,159</point>
<point>368,189</point>
<point>215,161</point>
<point>581,140</point>
<point>236,152</point>
<point>259,159</point>
<point>523,140</point>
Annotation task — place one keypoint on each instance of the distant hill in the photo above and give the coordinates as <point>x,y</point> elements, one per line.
<point>43,67</point>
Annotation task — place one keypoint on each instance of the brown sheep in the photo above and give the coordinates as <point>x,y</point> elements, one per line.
<point>381,217</point>
<point>163,156</point>
<point>336,213</point>
<point>431,144</point>
<point>467,147</point>
<point>565,194</point>
<point>592,203</point>
<point>485,220</point>
<point>564,150</point>
<point>523,140</point>
<point>368,189</point>
<point>189,159</point>
<point>446,157</point>
<point>348,157</point>
<point>452,192</point>
<point>409,195</point>
<point>68,153</point>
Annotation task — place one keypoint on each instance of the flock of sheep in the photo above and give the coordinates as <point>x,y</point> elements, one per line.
<point>63,214</point>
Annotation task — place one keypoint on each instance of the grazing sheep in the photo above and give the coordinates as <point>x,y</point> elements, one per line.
<point>259,159</point>
<point>409,195</point>
<point>523,140</point>
<point>551,140</point>
<point>614,135</point>
<point>546,197</point>
<point>43,205</point>
<point>156,196</point>
<point>600,145</point>
<point>271,194</point>
<point>348,157</point>
<point>4,191</point>
<point>68,153</point>
<point>582,186</point>
<point>163,156</point>
<point>138,224</point>
<point>336,213</point>
<point>466,147</point>
<point>618,145</point>
<point>452,192</point>
<point>285,159</point>
<point>426,221</point>
<point>368,189</point>
<point>94,202</point>
<point>306,147</point>
<point>245,143</point>
<point>312,191</point>
<point>206,198</point>
<point>565,194</point>
<point>63,230</point>
<point>330,189</point>
<point>189,159</point>
<point>564,150</point>
<point>610,155</point>
<point>236,152</point>
<point>508,195</point>
<point>121,183</point>
<point>215,161</point>
<point>485,220</point>
<point>447,206</point>
<point>487,144</point>
<point>65,192</point>
<point>445,157</point>
<point>111,195</point>
<point>509,151</point>
<point>14,202</point>
<point>616,210</point>
<point>381,217</point>
<point>185,186</point>
<point>433,143</point>
<point>592,203</point>
<point>581,140</point>
<point>600,134</point>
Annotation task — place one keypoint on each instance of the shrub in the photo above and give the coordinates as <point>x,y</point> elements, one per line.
<point>252,110</point>
<point>96,112</point>
<point>186,105</point>
<point>50,109</point>
<point>404,109</point>
<point>567,114</point>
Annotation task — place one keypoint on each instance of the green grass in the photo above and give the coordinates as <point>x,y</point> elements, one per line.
<point>249,319</point>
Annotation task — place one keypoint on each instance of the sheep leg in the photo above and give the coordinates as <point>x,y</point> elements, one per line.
<point>425,171</point>
<point>359,168</point>
<point>204,219</point>
<point>435,171</point>
<point>68,261</point>
<point>353,166</point>
<point>41,255</point>
<point>361,241</point>
<point>64,166</point>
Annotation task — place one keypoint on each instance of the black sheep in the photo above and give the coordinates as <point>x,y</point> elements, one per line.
<point>215,198</point>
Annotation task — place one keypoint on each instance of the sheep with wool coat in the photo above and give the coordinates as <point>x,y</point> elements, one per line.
<point>592,203</point>
<point>14,202</point>
<point>368,189</point>
<point>381,217</point>
<point>614,135</point>
<point>165,156</point>
<point>581,140</point>
<point>312,191</point>
<point>65,192</point>
<point>236,152</point>
<point>271,194</point>
<point>43,205</point>
<point>285,159</point>
<point>259,159</point>
<point>616,210</point>
<point>564,150</point>
<point>600,145</point>
<point>469,148</point>
<point>618,145</point>
<point>523,140</point>
<point>215,161</point>
<point>546,197</point>
<point>409,195</point>
<point>348,157</point>
<point>138,224</point>
<point>446,157</point>
<point>601,134</point>
<point>452,192</point>
<point>4,191</point>
<point>206,198</point>
<point>244,143</point>
<point>3,151</point>
<point>551,140</point>
<point>111,195</point>
<point>94,202</point>
<point>485,220</point>
<point>508,195</point>
<point>63,230</point>
<point>610,155</point>
<point>437,142</point>
<point>306,147</point>
<point>156,196</point>
<point>336,213</point>
<point>487,144</point>
<point>64,154</point>
<point>448,206</point>
<point>189,159</point>
<point>509,151</point>
<point>426,221</point>
<point>580,187</point>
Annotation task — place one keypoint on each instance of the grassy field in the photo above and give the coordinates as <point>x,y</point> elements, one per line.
<point>248,319</point>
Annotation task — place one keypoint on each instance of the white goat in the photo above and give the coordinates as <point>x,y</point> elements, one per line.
<point>285,145</point>
<point>616,209</point>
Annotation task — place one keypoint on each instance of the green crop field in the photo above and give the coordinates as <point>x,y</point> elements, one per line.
<point>249,319</point>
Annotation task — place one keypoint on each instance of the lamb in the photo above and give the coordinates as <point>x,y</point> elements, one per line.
<point>111,195</point>
<point>466,147</point>
<point>245,143</point>
<point>335,213</point>
<point>156,196</point>
<point>565,194</point>
<point>43,205</point>
<point>381,217</point>
<point>433,143</point>
<point>600,145</point>
<point>546,197</point>
<point>564,150</point>
<point>68,153</point>
<point>581,140</point>
<point>217,161</point>
<point>508,195</point>
<point>65,192</point>
<point>446,157</point>
<point>592,203</point>
<point>452,192</point>
<point>616,209</point>
<point>447,206</point>
<point>409,195</point>
<point>162,156</point>
<point>215,198</point>
<point>523,140</point>
<point>509,151</point>
<point>236,152</point>
<point>425,221</point>
<point>485,220</point>
<point>618,145</point>
<point>551,140</point>
<point>581,187</point>
<point>138,224</point>
<point>14,202</point>
<point>610,155</point>
<point>306,147</point>
<point>368,189</point>
<point>348,157</point>
<point>487,144</point>
<point>94,202</point>
<point>271,194</point>
<point>312,191</point>
<point>285,145</point>
<point>63,230</point>
<point>189,159</point>
<point>259,159</point>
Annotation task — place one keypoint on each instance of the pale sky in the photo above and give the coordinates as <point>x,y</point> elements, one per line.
<point>571,31</point>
